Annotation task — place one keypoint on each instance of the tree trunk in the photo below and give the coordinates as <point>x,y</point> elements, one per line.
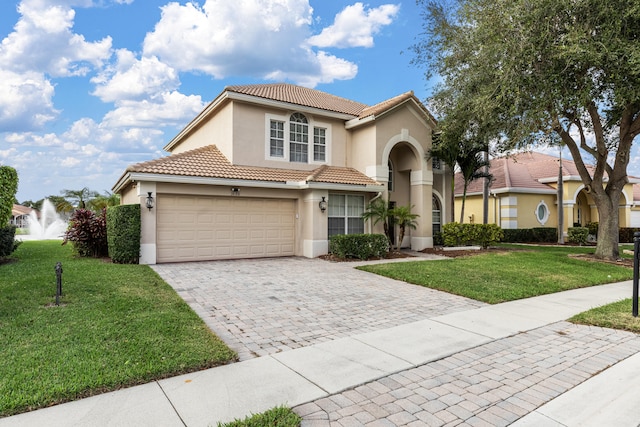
<point>608,227</point>
<point>400,237</point>
<point>560,203</point>
<point>464,198</point>
<point>453,196</point>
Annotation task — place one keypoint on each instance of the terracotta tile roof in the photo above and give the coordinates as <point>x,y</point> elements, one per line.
<point>17,210</point>
<point>299,95</point>
<point>388,104</point>
<point>209,162</point>
<point>521,171</point>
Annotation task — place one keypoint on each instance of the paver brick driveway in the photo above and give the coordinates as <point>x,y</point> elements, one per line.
<point>265,306</point>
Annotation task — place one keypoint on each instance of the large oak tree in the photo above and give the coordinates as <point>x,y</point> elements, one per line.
<point>530,71</point>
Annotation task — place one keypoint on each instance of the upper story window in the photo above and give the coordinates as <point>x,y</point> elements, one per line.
<point>319,144</point>
<point>390,182</point>
<point>298,138</point>
<point>435,163</point>
<point>288,139</point>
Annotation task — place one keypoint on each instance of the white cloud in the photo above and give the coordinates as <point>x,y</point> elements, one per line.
<point>355,26</point>
<point>26,101</point>
<point>42,41</point>
<point>166,109</point>
<point>256,38</point>
<point>134,79</point>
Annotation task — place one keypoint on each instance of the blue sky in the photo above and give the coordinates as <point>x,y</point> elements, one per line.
<point>91,86</point>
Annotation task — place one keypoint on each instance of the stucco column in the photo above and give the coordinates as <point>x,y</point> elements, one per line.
<point>148,223</point>
<point>421,184</point>
<point>315,224</point>
<point>568,218</point>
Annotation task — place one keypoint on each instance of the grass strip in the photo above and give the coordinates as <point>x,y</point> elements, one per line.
<point>117,326</point>
<point>617,315</point>
<point>494,277</point>
<point>279,416</point>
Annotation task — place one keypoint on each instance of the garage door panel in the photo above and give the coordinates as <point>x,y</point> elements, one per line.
<point>194,228</point>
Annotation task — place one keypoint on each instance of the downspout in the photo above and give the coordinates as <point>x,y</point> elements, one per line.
<point>370,227</point>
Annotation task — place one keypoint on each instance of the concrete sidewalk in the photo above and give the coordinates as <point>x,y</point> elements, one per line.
<point>322,380</point>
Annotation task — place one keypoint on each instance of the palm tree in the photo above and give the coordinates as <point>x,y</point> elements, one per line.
<point>448,153</point>
<point>404,219</point>
<point>101,201</point>
<point>378,211</point>
<point>79,198</point>
<point>472,164</point>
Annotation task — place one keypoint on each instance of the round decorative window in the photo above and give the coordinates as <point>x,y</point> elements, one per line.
<point>542,213</point>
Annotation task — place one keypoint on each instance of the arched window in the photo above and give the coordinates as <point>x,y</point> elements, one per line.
<point>390,182</point>
<point>436,214</point>
<point>298,138</point>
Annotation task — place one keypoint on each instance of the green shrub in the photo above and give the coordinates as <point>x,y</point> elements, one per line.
<point>8,189</point>
<point>455,234</point>
<point>531,235</point>
<point>488,234</point>
<point>544,234</point>
<point>87,233</point>
<point>625,234</point>
<point>593,228</point>
<point>578,235</point>
<point>437,239</point>
<point>8,243</point>
<point>518,235</point>
<point>361,246</point>
<point>123,233</point>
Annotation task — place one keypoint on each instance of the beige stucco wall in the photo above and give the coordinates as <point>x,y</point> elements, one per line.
<point>251,133</point>
<point>216,130</point>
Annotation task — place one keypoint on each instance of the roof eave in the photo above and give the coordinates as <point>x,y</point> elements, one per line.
<point>373,117</point>
<point>291,185</point>
<point>253,99</point>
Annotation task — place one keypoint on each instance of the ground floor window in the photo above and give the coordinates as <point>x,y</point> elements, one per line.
<point>436,214</point>
<point>345,214</point>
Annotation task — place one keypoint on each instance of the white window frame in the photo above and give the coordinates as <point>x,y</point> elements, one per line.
<point>542,220</point>
<point>287,143</point>
<point>346,215</point>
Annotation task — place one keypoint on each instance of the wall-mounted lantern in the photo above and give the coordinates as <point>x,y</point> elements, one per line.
<point>322,204</point>
<point>149,201</point>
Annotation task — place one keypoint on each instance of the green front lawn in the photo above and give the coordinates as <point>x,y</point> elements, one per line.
<point>515,273</point>
<point>117,326</point>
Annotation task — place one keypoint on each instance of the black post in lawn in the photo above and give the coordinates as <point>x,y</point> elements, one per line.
<point>59,281</point>
<point>636,254</point>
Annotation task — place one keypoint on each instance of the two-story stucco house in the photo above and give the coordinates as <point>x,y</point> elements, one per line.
<point>276,169</point>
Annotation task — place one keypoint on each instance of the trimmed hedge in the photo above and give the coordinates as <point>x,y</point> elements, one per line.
<point>123,233</point>
<point>531,235</point>
<point>8,244</point>
<point>8,190</point>
<point>485,235</point>
<point>361,246</point>
<point>625,234</point>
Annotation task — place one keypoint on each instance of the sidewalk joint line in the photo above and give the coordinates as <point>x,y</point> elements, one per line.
<point>171,403</point>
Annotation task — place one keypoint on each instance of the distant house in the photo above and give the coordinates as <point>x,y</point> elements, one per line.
<point>276,169</point>
<point>523,194</point>
<point>20,216</point>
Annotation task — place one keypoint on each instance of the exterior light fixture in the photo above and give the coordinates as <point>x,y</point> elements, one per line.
<point>235,191</point>
<point>322,204</point>
<point>149,201</point>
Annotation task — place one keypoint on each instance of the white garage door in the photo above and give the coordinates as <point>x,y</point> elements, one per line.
<point>199,228</point>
